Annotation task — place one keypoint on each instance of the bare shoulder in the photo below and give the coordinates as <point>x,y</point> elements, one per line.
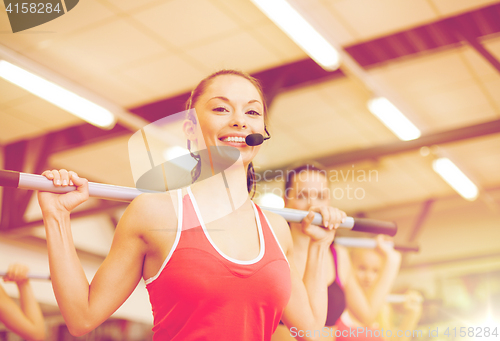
<point>150,210</point>
<point>281,229</point>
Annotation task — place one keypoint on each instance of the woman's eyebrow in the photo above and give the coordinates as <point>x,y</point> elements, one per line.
<point>219,97</point>
<point>222,98</point>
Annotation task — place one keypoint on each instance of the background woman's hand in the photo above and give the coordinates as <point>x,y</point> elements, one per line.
<point>413,301</point>
<point>16,273</point>
<point>332,218</point>
<point>386,247</point>
<point>51,202</point>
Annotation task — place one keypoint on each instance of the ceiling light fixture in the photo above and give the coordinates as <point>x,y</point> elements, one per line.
<point>60,97</point>
<point>301,32</point>
<point>393,119</point>
<point>455,178</point>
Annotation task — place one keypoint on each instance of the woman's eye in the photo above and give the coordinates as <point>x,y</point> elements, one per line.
<point>253,112</point>
<point>220,109</point>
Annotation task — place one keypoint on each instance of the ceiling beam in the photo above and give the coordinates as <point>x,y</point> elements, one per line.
<point>421,218</point>
<point>443,137</point>
<point>463,28</point>
<point>435,36</point>
<point>274,81</point>
<point>483,22</point>
<point>441,34</point>
<point>105,206</point>
<point>13,160</point>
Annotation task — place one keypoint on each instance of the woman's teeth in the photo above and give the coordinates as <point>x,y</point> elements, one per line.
<point>233,139</point>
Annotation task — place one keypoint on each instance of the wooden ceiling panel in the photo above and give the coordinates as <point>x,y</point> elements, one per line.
<point>239,51</point>
<point>13,128</point>
<point>463,229</point>
<point>477,64</point>
<point>11,93</point>
<point>44,115</point>
<point>118,88</point>
<point>106,162</point>
<point>182,25</point>
<point>242,11</point>
<point>493,46</point>
<point>441,88</point>
<point>333,24</point>
<point>86,14</point>
<point>493,88</point>
<point>453,7</point>
<point>270,36</point>
<point>132,6</point>
<point>432,72</point>
<point>349,97</point>
<point>479,158</point>
<point>165,76</point>
<point>373,18</point>
<point>388,182</point>
<point>102,48</point>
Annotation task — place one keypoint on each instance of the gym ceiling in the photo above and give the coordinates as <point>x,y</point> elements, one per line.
<point>438,59</point>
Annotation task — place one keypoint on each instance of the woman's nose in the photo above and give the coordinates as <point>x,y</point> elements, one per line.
<point>238,120</point>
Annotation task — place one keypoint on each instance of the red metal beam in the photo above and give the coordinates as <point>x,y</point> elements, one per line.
<point>443,137</point>
<point>464,29</point>
<point>426,38</point>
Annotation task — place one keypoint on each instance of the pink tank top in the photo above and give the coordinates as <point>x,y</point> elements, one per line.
<point>201,294</point>
<point>345,333</point>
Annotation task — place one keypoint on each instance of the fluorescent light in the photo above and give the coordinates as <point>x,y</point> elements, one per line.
<point>272,200</point>
<point>301,32</point>
<point>393,119</point>
<point>57,95</point>
<point>455,178</point>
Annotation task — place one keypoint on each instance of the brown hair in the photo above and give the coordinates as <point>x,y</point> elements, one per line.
<point>308,166</point>
<point>195,95</point>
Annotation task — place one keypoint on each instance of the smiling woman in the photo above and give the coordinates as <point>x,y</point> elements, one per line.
<point>215,269</point>
<point>256,107</point>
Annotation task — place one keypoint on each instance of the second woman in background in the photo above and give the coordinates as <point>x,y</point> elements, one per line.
<point>307,187</point>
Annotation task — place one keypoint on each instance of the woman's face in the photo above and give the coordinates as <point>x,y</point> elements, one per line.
<point>309,188</point>
<point>367,265</point>
<point>230,109</point>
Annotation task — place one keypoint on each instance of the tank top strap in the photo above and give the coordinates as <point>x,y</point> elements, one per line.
<point>271,240</point>
<point>177,236</point>
<point>189,217</point>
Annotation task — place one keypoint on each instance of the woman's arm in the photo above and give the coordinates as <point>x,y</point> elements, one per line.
<point>27,320</point>
<point>84,306</point>
<point>411,316</point>
<point>365,307</point>
<point>307,307</point>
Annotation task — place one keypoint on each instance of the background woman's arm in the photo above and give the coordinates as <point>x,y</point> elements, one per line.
<point>365,307</point>
<point>307,307</point>
<point>27,320</point>
<point>411,316</point>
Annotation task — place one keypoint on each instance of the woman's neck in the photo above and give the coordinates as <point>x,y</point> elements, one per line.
<point>222,190</point>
